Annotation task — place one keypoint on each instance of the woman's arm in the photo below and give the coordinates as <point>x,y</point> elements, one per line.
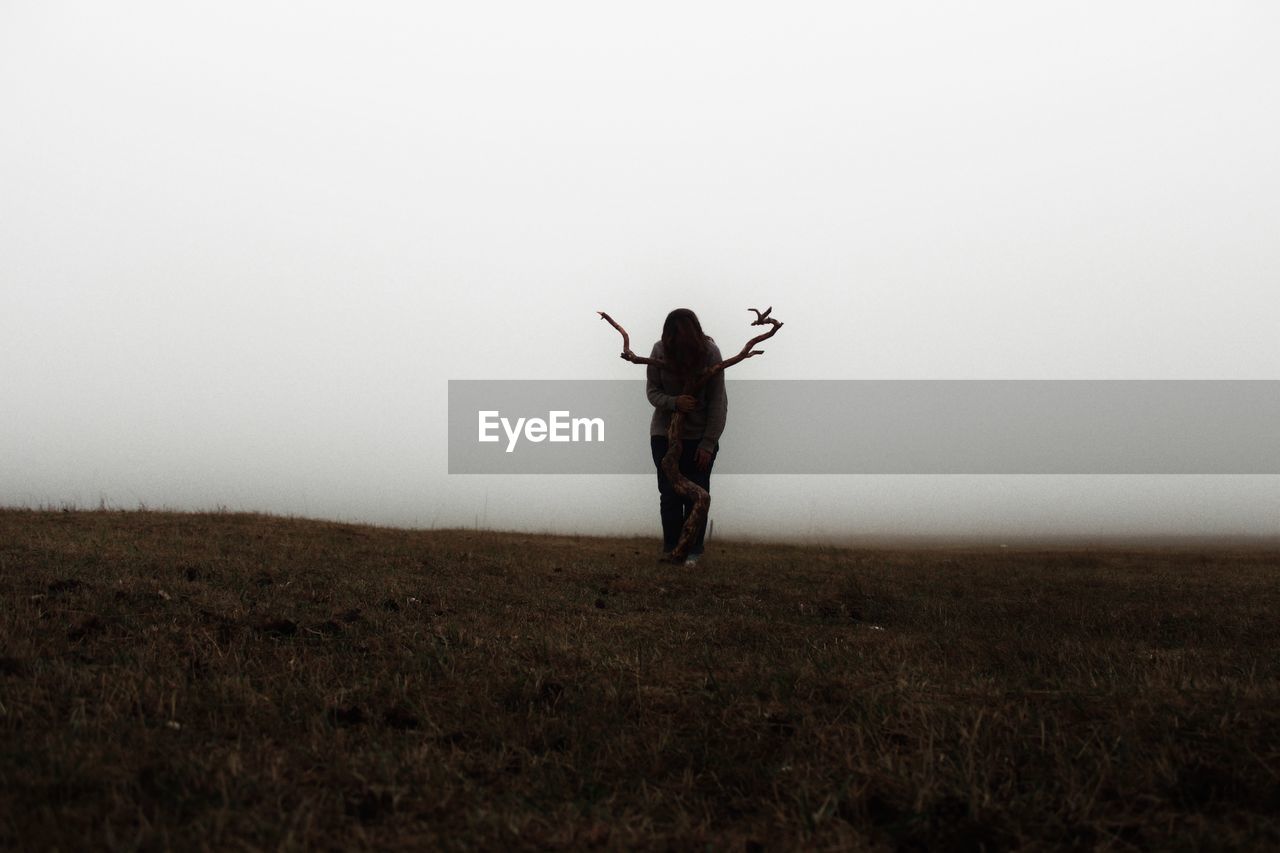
<point>717,409</point>
<point>659,398</point>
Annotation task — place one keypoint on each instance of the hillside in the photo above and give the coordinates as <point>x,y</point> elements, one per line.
<point>235,680</point>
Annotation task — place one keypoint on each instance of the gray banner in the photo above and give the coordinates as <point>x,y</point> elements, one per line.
<point>881,427</point>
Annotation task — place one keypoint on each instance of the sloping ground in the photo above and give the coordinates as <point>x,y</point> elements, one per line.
<point>232,680</point>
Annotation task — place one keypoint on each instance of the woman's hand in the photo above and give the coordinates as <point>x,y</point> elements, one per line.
<point>702,458</point>
<point>686,403</point>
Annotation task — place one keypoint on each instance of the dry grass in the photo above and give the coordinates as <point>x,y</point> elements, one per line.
<point>246,681</point>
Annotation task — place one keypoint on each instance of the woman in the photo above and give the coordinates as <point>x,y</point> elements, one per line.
<point>685,351</point>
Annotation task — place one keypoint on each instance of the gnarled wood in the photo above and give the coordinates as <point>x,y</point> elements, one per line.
<point>627,354</point>
<point>685,487</point>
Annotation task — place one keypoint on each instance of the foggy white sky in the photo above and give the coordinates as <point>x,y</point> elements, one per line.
<point>243,246</point>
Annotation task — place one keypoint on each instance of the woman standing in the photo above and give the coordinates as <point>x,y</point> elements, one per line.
<point>685,351</point>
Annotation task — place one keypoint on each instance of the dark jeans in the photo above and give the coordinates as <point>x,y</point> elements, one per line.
<point>674,508</point>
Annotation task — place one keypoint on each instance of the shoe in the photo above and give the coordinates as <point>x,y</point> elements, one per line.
<point>691,561</point>
<point>665,558</point>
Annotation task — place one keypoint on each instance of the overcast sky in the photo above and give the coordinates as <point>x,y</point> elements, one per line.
<point>244,245</point>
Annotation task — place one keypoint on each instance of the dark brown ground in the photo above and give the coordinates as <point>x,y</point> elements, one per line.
<point>246,681</point>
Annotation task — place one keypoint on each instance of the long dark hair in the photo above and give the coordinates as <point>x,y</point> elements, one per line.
<point>684,344</point>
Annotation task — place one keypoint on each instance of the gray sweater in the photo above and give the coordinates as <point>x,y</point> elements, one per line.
<point>706,422</point>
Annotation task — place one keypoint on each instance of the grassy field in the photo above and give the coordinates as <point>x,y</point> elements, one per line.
<point>246,681</point>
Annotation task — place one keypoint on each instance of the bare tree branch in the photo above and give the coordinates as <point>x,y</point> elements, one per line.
<point>747,351</point>
<point>627,354</point>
